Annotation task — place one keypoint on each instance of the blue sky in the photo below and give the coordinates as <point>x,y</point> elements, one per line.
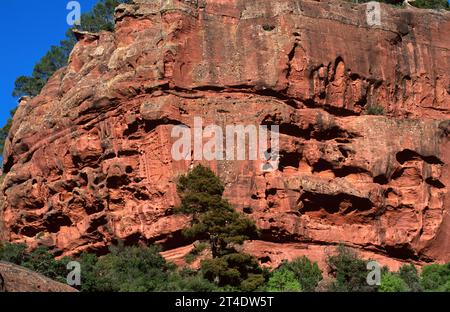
<point>29,28</point>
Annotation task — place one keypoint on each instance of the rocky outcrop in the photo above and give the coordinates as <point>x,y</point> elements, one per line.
<point>89,160</point>
<point>14,278</point>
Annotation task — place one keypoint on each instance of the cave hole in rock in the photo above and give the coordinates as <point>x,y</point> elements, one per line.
<point>435,183</point>
<point>289,159</point>
<point>96,223</point>
<point>401,252</point>
<point>54,222</point>
<point>348,170</point>
<point>114,182</point>
<point>265,259</point>
<point>268,27</point>
<point>132,128</point>
<point>271,192</point>
<point>408,155</point>
<point>97,206</point>
<point>322,165</point>
<point>381,179</point>
<point>343,203</point>
<point>30,231</point>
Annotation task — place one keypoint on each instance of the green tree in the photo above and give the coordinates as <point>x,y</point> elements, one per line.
<point>409,274</point>
<point>349,271</point>
<point>189,280</point>
<point>283,280</point>
<point>40,260</point>
<point>100,18</point>
<point>431,4</point>
<point>213,218</point>
<point>238,270</point>
<point>375,110</point>
<point>307,273</point>
<point>391,282</point>
<point>13,253</point>
<point>4,131</point>
<point>215,221</point>
<point>436,277</point>
<point>129,269</point>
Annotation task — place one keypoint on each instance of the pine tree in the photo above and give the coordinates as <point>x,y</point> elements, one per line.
<point>100,18</point>
<point>214,220</point>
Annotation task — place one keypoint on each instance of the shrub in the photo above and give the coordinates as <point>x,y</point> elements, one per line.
<point>375,110</point>
<point>409,274</point>
<point>307,273</point>
<point>436,277</point>
<point>131,269</point>
<point>391,282</point>
<point>237,270</point>
<point>349,271</point>
<point>188,280</point>
<point>13,253</point>
<point>40,260</point>
<point>283,280</point>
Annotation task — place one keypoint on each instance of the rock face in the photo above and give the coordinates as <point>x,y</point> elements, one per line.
<point>14,278</point>
<point>89,159</point>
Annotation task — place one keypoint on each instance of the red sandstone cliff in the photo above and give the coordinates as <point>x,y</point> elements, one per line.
<point>89,159</point>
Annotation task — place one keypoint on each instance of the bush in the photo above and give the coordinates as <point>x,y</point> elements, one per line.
<point>391,282</point>
<point>283,280</point>
<point>375,110</point>
<point>436,277</point>
<point>349,271</point>
<point>307,273</point>
<point>409,274</point>
<point>13,253</point>
<point>130,269</point>
<point>40,260</point>
<point>237,270</point>
<point>188,280</point>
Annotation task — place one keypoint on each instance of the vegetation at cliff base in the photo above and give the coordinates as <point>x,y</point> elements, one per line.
<point>219,232</point>
<point>143,269</point>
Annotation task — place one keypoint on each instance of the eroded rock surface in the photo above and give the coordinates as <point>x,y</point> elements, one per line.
<point>89,159</point>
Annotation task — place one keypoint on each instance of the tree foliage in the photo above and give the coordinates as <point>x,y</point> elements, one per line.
<point>436,277</point>
<point>143,269</point>
<point>349,271</point>
<point>215,221</point>
<point>40,260</point>
<point>306,272</point>
<point>127,269</point>
<point>409,274</point>
<point>100,18</point>
<point>283,280</point>
<point>213,218</point>
<point>391,282</point>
